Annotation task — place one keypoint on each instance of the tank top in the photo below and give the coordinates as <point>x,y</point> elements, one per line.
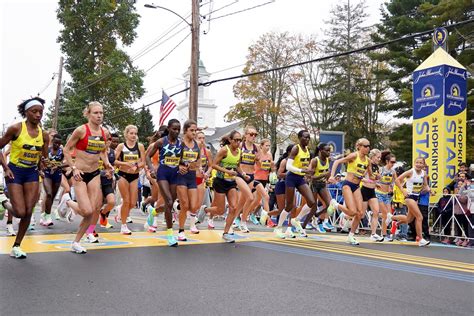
<point>103,178</point>
<point>386,176</point>
<point>301,160</point>
<point>189,154</point>
<point>130,154</point>
<point>204,159</point>
<point>358,167</point>
<point>230,162</point>
<point>375,171</point>
<point>415,182</point>
<point>26,150</point>
<point>321,169</point>
<point>264,167</point>
<point>170,154</point>
<point>248,156</point>
<point>55,159</point>
<point>91,144</point>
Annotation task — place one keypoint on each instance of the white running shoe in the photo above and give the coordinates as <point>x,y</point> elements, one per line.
<point>149,228</point>
<point>263,218</point>
<point>296,223</point>
<point>389,219</point>
<point>129,220</point>
<point>62,207</point>
<point>228,238</point>
<point>17,253</point>
<point>243,228</point>
<point>279,233</point>
<point>77,248</point>
<point>92,239</point>
<point>376,238</point>
<point>10,230</point>
<point>124,230</point>
<point>210,224</point>
<point>289,233</point>
<point>303,233</point>
<point>182,236</point>
<point>423,242</point>
<point>194,229</point>
<point>351,239</point>
<point>47,220</point>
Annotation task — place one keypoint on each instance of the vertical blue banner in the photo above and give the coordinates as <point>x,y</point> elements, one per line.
<point>335,140</point>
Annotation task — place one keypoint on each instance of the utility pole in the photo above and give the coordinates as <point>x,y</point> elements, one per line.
<point>58,94</point>
<point>194,80</point>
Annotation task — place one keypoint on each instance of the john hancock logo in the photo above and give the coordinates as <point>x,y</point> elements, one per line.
<point>454,96</point>
<point>428,97</point>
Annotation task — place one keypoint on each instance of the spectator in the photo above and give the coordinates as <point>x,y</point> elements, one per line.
<point>444,208</point>
<point>467,191</point>
<point>461,213</point>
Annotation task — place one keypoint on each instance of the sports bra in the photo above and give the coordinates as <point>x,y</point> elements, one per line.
<point>91,144</point>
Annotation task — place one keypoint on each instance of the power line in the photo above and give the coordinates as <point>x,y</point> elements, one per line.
<point>167,54</point>
<point>243,10</point>
<point>362,49</point>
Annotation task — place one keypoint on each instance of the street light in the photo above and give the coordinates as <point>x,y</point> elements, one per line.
<point>193,80</point>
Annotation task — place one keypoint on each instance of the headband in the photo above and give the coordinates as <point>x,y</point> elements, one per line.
<point>32,103</point>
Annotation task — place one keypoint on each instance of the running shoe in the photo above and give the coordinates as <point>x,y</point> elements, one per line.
<point>70,215</point>
<point>10,230</point>
<point>320,229</point>
<point>236,223</point>
<point>351,239</point>
<point>17,253</point>
<point>227,238</point>
<point>194,229</point>
<point>328,226</point>
<point>149,228</point>
<point>92,239</point>
<point>310,226</point>
<point>172,242</point>
<point>129,220</point>
<point>243,228</point>
<point>393,230</point>
<point>107,225</point>
<point>62,207</point>
<point>102,220</point>
<point>47,220</point>
<point>279,233</point>
<point>389,238</point>
<point>155,222</point>
<point>210,224</point>
<point>376,238</point>
<point>124,230</point>
<point>201,214</point>
<point>296,224</point>
<point>42,219</point>
<point>289,233</point>
<point>264,218</point>
<point>55,215</point>
<point>254,219</point>
<point>31,226</point>
<point>77,248</point>
<point>423,242</point>
<point>270,223</point>
<point>181,236</point>
<point>303,233</point>
<point>150,217</point>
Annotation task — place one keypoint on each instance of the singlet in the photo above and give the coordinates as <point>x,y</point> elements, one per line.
<point>263,167</point>
<point>415,182</point>
<point>170,154</point>
<point>91,144</point>
<point>189,154</point>
<point>130,154</point>
<point>103,178</point>
<point>386,176</point>
<point>56,159</point>
<point>248,156</point>
<point>358,167</point>
<point>204,159</point>
<point>230,162</point>
<point>301,160</point>
<point>375,171</point>
<point>26,150</point>
<point>321,169</point>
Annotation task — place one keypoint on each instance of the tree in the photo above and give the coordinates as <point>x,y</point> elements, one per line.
<point>265,96</point>
<point>401,143</point>
<point>146,128</point>
<point>91,38</point>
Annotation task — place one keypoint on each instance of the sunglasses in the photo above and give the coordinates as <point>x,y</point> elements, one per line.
<point>366,146</point>
<point>393,161</point>
<point>253,134</point>
<point>237,139</point>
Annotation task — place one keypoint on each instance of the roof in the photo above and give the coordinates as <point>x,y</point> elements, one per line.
<point>221,131</point>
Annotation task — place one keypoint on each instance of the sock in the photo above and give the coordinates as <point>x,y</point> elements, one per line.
<point>283,216</point>
<point>169,232</point>
<point>90,230</point>
<point>304,211</point>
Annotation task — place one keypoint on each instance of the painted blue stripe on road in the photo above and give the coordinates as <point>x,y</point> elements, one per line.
<point>366,262</point>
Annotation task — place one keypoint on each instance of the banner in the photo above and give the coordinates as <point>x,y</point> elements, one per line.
<point>439,118</point>
<point>335,140</point>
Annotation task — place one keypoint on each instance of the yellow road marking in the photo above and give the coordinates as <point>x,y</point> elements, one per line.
<point>367,254</point>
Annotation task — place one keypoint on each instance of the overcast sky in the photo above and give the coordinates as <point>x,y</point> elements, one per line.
<point>30,55</point>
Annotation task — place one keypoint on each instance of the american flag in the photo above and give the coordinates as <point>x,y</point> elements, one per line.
<point>167,106</point>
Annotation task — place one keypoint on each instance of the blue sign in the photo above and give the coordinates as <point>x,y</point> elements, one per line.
<point>440,36</point>
<point>427,91</point>
<point>456,86</point>
<point>334,139</point>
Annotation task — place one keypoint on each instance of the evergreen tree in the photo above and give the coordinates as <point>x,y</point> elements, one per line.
<point>92,34</point>
<point>144,122</point>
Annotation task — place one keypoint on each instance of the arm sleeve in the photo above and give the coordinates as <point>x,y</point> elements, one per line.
<point>290,167</point>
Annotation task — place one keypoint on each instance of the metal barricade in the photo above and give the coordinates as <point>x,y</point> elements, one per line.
<point>438,227</point>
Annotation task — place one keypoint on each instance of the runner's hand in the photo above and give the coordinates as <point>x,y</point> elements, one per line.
<point>77,174</point>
